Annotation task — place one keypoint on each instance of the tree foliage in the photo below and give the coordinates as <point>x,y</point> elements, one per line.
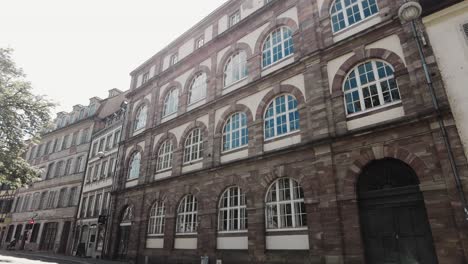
<point>22,116</point>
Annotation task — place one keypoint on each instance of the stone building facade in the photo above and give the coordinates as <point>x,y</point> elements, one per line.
<point>97,186</point>
<point>292,131</point>
<point>44,212</point>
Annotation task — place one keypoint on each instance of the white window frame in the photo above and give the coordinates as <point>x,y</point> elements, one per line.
<point>226,210</point>
<point>198,87</point>
<point>234,18</point>
<point>171,102</point>
<point>173,59</point>
<point>235,65</point>
<point>274,117</point>
<point>276,202</point>
<point>165,156</point>
<point>157,219</point>
<point>268,46</point>
<point>229,131</point>
<point>343,10</point>
<point>187,216</point>
<point>134,168</point>
<point>377,82</point>
<point>141,118</point>
<point>193,146</point>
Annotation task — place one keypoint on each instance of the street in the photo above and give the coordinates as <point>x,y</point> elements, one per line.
<point>30,260</point>
<point>12,257</point>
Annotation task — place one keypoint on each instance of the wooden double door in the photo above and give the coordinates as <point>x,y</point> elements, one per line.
<point>394,222</point>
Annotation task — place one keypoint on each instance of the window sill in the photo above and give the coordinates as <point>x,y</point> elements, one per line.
<point>371,110</point>
<point>243,147</point>
<point>273,139</point>
<point>286,230</point>
<point>356,28</point>
<point>278,65</point>
<point>163,170</point>
<point>155,236</point>
<point>186,234</point>
<point>234,83</point>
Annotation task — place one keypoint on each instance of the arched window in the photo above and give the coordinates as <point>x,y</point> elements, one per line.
<point>285,206</point>
<point>232,211</point>
<point>235,132</point>
<point>278,45</point>
<point>193,148</point>
<point>345,13</point>
<point>156,219</point>
<point>140,118</point>
<point>134,168</point>
<point>171,102</point>
<point>369,85</point>
<point>165,156</point>
<point>235,68</point>
<point>197,89</point>
<point>281,116</point>
<point>187,221</point>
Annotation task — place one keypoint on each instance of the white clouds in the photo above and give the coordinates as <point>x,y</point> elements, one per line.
<point>74,50</point>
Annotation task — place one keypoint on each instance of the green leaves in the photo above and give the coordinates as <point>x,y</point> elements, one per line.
<point>22,116</point>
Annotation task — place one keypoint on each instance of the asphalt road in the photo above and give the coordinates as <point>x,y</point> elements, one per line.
<point>29,260</point>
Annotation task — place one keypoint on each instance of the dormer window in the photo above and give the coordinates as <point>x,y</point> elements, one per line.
<point>234,18</point>
<point>174,59</point>
<point>91,109</point>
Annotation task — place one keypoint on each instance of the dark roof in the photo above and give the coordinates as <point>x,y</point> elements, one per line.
<point>432,6</point>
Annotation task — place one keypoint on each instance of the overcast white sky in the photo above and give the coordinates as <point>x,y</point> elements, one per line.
<point>74,50</point>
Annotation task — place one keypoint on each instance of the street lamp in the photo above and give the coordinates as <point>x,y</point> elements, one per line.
<point>410,12</point>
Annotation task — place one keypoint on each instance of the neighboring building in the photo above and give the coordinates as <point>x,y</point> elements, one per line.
<point>451,23</point>
<point>292,131</point>
<point>7,195</point>
<point>97,187</point>
<point>44,213</point>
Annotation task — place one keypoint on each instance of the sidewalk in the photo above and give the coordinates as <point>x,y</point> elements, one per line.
<point>56,257</point>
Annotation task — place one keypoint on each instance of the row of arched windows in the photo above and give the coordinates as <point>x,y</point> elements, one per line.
<point>368,86</point>
<point>281,117</point>
<point>284,209</point>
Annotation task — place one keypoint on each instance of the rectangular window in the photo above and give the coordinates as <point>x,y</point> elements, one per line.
<point>71,197</point>
<point>97,205</point>
<point>55,147</point>
<point>101,144</point>
<point>51,200</point>
<point>90,206</point>
<point>47,147</point>
<point>103,170</point>
<point>145,77</point>
<point>109,142</point>
<point>65,142</point>
<point>35,233</point>
<point>78,164</point>
<point>26,203</point>
<point>50,169</point>
<point>116,138</point>
<point>174,59</point>
<point>68,167</point>
<point>74,138</point>
<point>61,199</point>
<point>110,169</point>
<point>43,203</point>
<point>234,18</point>
<point>84,136</point>
<point>39,151</point>
<point>105,203</point>
<point>96,172</point>
<point>83,206</point>
<point>199,42</point>
<point>95,148</point>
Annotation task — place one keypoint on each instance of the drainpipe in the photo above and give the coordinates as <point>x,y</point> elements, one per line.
<point>410,11</point>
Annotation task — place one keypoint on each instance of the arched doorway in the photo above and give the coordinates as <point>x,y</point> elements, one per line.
<point>394,223</point>
<point>124,232</point>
